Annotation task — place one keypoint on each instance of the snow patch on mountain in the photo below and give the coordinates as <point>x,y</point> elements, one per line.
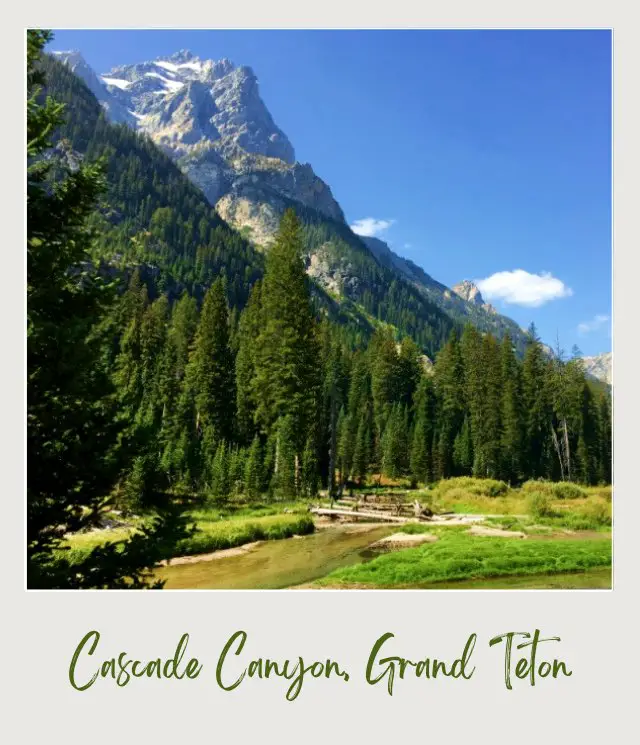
<point>122,84</point>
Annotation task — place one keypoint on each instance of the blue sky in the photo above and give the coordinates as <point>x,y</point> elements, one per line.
<point>479,155</point>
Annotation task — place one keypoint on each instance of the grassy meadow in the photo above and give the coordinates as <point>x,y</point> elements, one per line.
<point>457,555</point>
<point>568,528</point>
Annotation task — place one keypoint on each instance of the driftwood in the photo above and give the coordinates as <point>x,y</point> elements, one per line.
<point>379,515</point>
<point>420,511</point>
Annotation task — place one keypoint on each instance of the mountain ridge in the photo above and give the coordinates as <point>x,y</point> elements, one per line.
<point>209,117</point>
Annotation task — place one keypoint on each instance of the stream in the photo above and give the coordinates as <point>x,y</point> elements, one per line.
<point>300,560</point>
<point>277,564</point>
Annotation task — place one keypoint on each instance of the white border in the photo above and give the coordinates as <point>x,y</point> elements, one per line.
<point>597,628</point>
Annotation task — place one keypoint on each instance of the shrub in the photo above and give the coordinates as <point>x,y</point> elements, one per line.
<point>539,504</point>
<point>494,488</point>
<point>458,494</point>
<point>602,492</point>
<point>597,511</point>
<point>478,487</point>
<point>567,490</point>
<point>555,489</point>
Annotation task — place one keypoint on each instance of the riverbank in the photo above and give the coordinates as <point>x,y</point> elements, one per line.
<point>214,532</point>
<point>460,555</point>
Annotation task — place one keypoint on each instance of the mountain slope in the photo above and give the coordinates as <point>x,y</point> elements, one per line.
<point>463,302</point>
<point>599,367</point>
<point>209,117</point>
<point>154,216</point>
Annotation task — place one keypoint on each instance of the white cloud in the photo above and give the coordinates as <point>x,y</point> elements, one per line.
<point>594,324</point>
<point>370,226</point>
<point>523,288</point>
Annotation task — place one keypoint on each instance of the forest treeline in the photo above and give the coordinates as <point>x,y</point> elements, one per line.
<point>278,403</point>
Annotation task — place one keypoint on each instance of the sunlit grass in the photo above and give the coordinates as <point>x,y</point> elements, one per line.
<point>458,556</point>
<point>213,532</point>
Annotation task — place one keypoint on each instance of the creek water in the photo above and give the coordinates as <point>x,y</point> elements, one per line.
<point>296,561</point>
<point>591,579</point>
<point>278,564</point>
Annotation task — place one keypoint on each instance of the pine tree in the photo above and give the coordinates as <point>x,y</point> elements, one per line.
<point>409,371</point>
<point>344,449</point>
<point>285,473</point>
<point>309,481</point>
<point>210,372</point>
<point>176,428</point>
<point>491,407</point>
<point>589,443</point>
<point>385,377</point>
<point>220,487</point>
<point>71,423</point>
<point>394,443</point>
<point>421,461</point>
<point>253,477</point>
<point>537,408</point>
<point>463,454</point>
<point>236,470</point>
<point>334,415</point>
<point>450,393</point>
<point>511,443</point>
<point>363,446</point>
<point>565,381</point>
<point>605,464</point>
<point>286,382</point>
<point>248,332</point>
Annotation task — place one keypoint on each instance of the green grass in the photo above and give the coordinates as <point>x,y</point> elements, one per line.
<point>214,532</point>
<point>458,555</point>
<point>555,489</point>
<point>217,535</point>
<point>478,487</point>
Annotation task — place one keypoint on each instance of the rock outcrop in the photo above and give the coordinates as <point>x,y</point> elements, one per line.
<point>208,115</point>
<point>599,367</point>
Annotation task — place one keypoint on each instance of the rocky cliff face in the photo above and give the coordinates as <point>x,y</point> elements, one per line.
<point>209,116</point>
<point>599,367</point>
<point>469,292</point>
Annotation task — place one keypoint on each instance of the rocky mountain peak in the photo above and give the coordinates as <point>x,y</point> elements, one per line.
<point>209,116</point>
<point>184,55</point>
<point>468,291</point>
<point>228,104</point>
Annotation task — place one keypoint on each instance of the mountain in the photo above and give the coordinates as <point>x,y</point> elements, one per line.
<point>463,301</point>
<point>208,117</point>
<point>155,218</point>
<point>599,367</point>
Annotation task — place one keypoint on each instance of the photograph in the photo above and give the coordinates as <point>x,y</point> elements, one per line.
<point>319,309</point>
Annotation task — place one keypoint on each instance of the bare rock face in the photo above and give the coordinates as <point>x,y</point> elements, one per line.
<point>468,291</point>
<point>208,115</point>
<point>599,367</point>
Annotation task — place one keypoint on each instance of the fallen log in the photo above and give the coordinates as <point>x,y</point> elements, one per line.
<point>361,513</point>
